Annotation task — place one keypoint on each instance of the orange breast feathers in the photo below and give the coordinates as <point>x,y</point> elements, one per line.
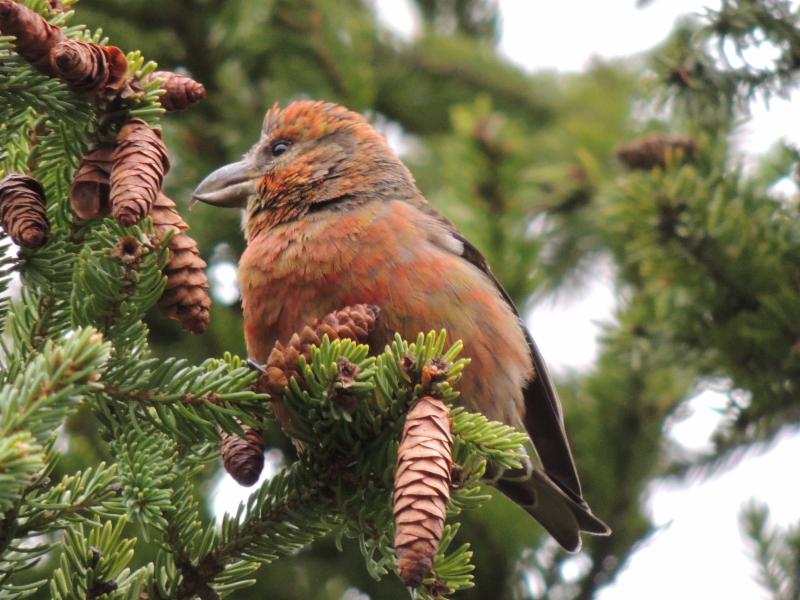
<point>405,261</point>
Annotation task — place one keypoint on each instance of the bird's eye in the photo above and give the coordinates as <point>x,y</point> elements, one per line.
<point>279,148</point>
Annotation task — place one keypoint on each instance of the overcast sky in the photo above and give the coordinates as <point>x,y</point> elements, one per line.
<point>700,551</point>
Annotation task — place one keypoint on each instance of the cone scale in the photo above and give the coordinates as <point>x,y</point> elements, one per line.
<point>422,488</point>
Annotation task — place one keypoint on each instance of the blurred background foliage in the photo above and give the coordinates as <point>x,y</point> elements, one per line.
<point>706,259</point>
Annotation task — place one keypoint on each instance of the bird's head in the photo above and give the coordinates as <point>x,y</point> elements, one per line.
<point>311,156</point>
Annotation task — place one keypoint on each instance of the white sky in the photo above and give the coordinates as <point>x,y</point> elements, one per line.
<point>565,35</point>
<point>699,551</point>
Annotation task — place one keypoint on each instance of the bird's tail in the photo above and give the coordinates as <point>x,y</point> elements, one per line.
<point>561,515</point>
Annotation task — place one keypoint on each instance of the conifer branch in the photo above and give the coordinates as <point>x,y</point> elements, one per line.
<point>777,553</point>
<point>703,66</point>
<point>32,405</point>
<point>75,497</point>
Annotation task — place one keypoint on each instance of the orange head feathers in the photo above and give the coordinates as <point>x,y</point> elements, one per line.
<point>311,120</point>
<point>311,154</point>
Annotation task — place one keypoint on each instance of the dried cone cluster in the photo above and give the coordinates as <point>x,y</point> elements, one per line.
<point>91,186</point>
<point>180,91</point>
<point>352,322</point>
<point>655,150</point>
<point>87,67</point>
<point>243,456</point>
<point>185,298</point>
<point>84,66</point>
<point>23,210</point>
<point>139,165</point>
<point>36,38</point>
<point>422,488</point>
<point>126,178</point>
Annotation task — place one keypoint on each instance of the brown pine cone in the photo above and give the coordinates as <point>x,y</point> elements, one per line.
<point>422,488</point>
<point>35,36</point>
<point>89,195</point>
<point>166,217</point>
<point>139,165</point>
<point>243,456</point>
<point>23,210</point>
<point>653,151</point>
<point>186,297</point>
<point>352,322</point>
<point>88,67</point>
<point>181,91</point>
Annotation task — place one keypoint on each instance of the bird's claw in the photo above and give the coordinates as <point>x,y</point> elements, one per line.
<point>255,365</point>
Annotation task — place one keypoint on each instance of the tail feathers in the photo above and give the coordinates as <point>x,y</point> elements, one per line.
<point>562,516</point>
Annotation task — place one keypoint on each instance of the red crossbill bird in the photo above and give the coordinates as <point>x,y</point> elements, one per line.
<point>332,218</point>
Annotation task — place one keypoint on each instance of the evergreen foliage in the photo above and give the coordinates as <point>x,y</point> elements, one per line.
<point>703,253</point>
<point>76,337</point>
<point>777,552</point>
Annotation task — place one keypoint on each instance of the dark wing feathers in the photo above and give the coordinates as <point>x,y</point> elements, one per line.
<point>543,415</point>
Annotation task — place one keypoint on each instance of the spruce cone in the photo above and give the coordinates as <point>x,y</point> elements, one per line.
<point>185,298</point>
<point>87,67</point>
<point>35,36</point>
<point>23,210</point>
<point>89,195</point>
<point>243,456</point>
<point>652,151</point>
<point>181,91</point>
<point>422,488</point>
<point>140,163</point>
<point>352,322</point>
<point>166,217</point>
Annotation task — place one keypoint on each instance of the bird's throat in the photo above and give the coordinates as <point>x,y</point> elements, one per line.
<point>268,216</point>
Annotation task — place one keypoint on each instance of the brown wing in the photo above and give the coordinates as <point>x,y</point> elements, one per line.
<point>544,418</point>
<point>551,493</point>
